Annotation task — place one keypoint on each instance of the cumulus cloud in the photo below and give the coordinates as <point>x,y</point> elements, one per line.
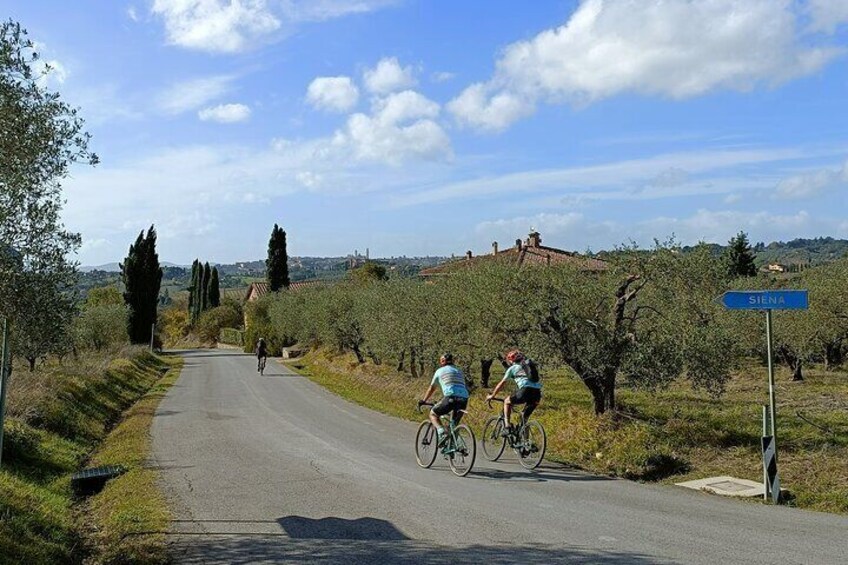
<point>192,94</point>
<point>337,94</point>
<point>813,183</point>
<point>215,25</point>
<point>827,15</point>
<point>442,76</point>
<point>231,26</point>
<point>400,127</point>
<point>388,76</point>
<point>477,107</point>
<point>225,113</point>
<point>672,48</point>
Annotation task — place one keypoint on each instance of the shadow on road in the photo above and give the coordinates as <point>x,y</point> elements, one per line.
<point>269,549</point>
<point>299,527</point>
<point>540,475</point>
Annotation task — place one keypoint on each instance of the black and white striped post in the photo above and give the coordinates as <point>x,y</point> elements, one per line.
<point>771,480</point>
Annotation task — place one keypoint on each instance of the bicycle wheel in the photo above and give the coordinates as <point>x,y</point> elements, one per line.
<point>465,451</point>
<point>493,442</point>
<point>534,442</point>
<point>426,446</point>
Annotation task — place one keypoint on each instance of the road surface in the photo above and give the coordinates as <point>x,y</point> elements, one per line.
<point>276,469</point>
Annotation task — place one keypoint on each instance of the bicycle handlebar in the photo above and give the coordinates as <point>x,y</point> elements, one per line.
<point>489,402</point>
<point>421,403</point>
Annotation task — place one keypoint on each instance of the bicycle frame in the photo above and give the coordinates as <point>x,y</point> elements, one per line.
<point>451,446</point>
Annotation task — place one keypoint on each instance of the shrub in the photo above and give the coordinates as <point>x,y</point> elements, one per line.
<point>231,336</point>
<point>210,322</point>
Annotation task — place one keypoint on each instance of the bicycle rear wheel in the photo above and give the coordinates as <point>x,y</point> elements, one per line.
<point>462,459</point>
<point>534,442</point>
<point>493,442</point>
<point>426,444</point>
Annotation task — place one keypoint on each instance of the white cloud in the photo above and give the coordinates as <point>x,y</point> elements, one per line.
<point>673,48</point>
<point>617,175</point>
<point>337,94</point>
<point>477,108</point>
<point>827,15</point>
<point>231,26</point>
<point>192,94</point>
<point>401,127</point>
<point>813,183</point>
<point>319,10</point>
<point>388,76</point>
<point>309,179</point>
<point>132,13</point>
<point>215,25</point>
<point>566,230</point>
<point>225,113</point>
<point>442,76</point>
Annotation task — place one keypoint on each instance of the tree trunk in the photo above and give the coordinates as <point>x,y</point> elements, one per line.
<point>796,371</point>
<point>485,371</point>
<point>402,359</point>
<point>833,355</point>
<point>358,354</point>
<point>31,361</point>
<point>413,365</point>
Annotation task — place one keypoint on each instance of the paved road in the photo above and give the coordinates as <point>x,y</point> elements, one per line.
<point>275,469</point>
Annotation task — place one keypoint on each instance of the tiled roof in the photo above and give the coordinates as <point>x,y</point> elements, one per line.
<point>527,255</point>
<point>260,289</point>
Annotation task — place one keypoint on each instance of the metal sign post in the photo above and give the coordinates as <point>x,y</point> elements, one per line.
<point>768,300</point>
<point>4,381</point>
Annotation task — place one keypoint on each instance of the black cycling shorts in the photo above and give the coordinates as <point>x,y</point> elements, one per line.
<point>448,404</point>
<point>527,395</point>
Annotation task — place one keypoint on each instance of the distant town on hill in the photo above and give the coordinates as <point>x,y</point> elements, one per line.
<point>806,252</point>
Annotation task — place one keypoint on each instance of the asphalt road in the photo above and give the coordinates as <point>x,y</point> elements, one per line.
<point>275,469</point>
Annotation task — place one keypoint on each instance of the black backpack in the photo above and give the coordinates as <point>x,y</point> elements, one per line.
<point>530,370</point>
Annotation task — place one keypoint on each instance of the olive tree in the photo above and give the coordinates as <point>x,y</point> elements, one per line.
<point>41,137</point>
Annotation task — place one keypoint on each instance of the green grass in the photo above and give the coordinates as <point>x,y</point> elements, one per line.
<point>671,436</point>
<point>124,523</point>
<point>58,416</point>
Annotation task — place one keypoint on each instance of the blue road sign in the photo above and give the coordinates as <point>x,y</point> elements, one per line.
<point>765,299</point>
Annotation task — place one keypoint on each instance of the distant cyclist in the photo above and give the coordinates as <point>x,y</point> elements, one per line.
<point>261,355</point>
<point>526,376</point>
<point>454,391</point>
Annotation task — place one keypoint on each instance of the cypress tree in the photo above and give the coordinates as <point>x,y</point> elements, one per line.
<point>214,289</point>
<point>740,257</point>
<point>204,289</point>
<point>142,277</point>
<point>197,305</point>
<point>191,288</point>
<point>276,265</point>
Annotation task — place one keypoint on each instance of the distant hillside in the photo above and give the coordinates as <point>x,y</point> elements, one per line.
<point>810,251</point>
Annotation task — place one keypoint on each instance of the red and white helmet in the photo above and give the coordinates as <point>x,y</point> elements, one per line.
<point>515,356</point>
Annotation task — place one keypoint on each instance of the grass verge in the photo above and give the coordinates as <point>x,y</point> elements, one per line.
<point>117,523</point>
<point>670,436</point>
<point>58,415</point>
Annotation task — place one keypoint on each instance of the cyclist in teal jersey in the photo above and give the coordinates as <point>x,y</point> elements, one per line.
<point>522,371</point>
<point>454,391</point>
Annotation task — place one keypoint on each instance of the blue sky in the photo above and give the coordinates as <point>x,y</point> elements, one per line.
<point>418,127</point>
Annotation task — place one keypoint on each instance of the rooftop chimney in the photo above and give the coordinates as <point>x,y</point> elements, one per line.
<point>468,255</point>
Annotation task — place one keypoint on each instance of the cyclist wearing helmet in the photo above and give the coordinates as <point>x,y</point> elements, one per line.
<point>261,353</point>
<point>454,391</point>
<point>522,371</point>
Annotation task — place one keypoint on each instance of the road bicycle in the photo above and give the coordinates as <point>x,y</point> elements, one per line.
<point>262,361</point>
<point>460,448</point>
<point>528,439</point>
